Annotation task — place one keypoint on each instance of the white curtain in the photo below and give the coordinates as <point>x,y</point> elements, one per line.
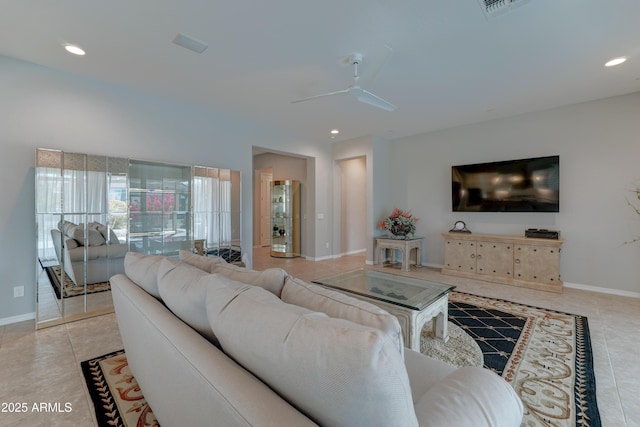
<point>212,211</point>
<point>48,207</point>
<point>65,197</point>
<point>78,199</point>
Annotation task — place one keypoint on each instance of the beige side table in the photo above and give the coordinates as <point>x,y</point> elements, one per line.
<point>403,245</point>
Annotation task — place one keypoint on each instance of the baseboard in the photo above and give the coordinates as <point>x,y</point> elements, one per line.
<point>17,319</point>
<point>334,256</point>
<point>357,251</point>
<point>322,258</point>
<point>600,290</point>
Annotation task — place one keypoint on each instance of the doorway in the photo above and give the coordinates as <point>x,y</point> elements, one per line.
<point>353,202</point>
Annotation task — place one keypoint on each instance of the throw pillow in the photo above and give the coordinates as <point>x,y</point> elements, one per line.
<point>335,371</point>
<point>106,232</point>
<point>66,227</point>
<point>94,236</point>
<point>205,263</point>
<point>339,305</point>
<point>142,269</point>
<point>271,279</point>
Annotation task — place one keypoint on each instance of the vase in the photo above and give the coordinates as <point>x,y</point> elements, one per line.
<point>399,232</point>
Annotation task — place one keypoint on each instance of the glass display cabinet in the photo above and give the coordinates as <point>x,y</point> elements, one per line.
<point>285,218</point>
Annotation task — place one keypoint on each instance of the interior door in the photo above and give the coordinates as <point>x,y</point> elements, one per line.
<point>265,208</point>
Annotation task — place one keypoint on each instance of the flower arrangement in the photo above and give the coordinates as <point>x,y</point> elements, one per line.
<point>399,223</point>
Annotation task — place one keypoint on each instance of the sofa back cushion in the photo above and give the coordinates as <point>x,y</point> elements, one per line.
<point>205,263</point>
<point>142,269</point>
<point>339,305</point>
<point>184,289</point>
<point>107,233</point>
<point>66,226</point>
<point>271,279</point>
<point>93,238</point>
<point>335,371</point>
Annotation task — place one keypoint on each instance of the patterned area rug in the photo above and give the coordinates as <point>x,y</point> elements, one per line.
<point>459,350</point>
<point>70,289</point>
<point>544,354</point>
<point>115,393</point>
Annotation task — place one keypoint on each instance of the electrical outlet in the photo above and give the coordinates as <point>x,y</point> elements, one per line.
<point>18,291</point>
<point>326,245</point>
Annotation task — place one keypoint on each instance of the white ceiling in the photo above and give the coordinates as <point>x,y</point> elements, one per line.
<point>450,65</point>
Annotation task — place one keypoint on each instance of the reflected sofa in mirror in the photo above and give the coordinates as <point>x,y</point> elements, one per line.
<point>81,225</point>
<point>91,210</point>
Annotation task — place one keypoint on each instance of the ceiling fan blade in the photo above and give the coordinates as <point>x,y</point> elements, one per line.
<point>367,97</point>
<point>323,95</point>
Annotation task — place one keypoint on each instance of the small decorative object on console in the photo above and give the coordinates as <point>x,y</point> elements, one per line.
<point>460,227</point>
<point>400,223</point>
<point>541,233</point>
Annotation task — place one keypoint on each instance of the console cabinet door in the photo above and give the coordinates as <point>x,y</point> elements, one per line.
<point>495,259</point>
<point>537,264</point>
<point>460,255</point>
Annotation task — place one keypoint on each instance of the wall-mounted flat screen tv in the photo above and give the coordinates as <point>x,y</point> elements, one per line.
<point>525,185</point>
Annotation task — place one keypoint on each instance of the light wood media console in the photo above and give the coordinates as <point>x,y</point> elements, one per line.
<point>511,260</point>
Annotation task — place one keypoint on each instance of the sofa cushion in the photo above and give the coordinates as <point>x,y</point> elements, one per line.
<point>94,236</point>
<point>184,289</point>
<point>142,269</point>
<point>97,252</point>
<point>106,232</point>
<point>335,371</point>
<point>66,226</point>
<point>339,305</point>
<point>271,279</point>
<point>205,263</point>
<point>487,399</point>
<point>70,243</point>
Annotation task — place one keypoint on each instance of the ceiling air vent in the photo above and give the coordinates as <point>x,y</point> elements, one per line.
<point>493,8</point>
<point>190,43</point>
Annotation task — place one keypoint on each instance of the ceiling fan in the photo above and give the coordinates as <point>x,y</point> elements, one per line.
<point>355,89</point>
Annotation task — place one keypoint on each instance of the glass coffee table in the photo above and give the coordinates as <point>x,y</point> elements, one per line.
<point>413,301</point>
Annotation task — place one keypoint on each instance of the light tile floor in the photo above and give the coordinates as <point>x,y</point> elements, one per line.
<point>43,367</point>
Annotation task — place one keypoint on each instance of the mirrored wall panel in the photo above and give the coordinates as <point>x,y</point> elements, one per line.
<point>91,210</point>
<point>216,212</point>
<point>77,237</point>
<point>159,208</point>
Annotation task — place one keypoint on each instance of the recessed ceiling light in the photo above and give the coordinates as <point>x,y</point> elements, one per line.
<point>334,131</point>
<point>615,61</point>
<point>71,48</point>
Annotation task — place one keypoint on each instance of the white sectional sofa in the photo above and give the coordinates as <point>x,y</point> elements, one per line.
<point>104,253</point>
<point>215,344</point>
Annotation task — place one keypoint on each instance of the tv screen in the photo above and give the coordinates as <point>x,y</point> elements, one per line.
<point>525,185</point>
